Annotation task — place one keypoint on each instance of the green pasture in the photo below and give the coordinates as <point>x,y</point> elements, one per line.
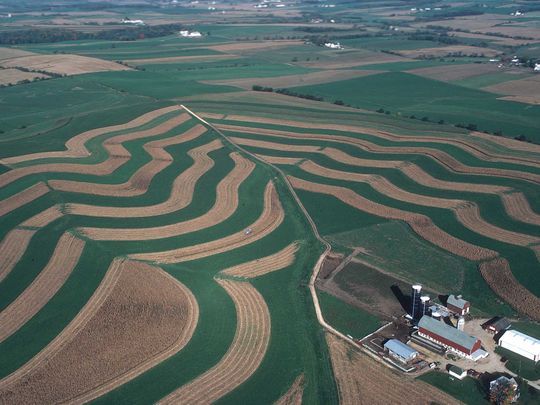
<point>520,365</point>
<point>469,391</point>
<point>157,86</point>
<point>409,94</point>
<point>58,109</point>
<point>229,70</point>
<point>346,318</point>
<point>394,247</point>
<point>387,43</point>
<point>485,80</point>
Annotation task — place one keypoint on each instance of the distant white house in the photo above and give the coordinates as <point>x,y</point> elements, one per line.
<point>517,13</point>
<point>190,34</point>
<point>537,67</point>
<point>8,15</point>
<point>130,21</point>
<point>333,45</point>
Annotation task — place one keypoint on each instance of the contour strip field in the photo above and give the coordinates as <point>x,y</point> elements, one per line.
<point>75,147</point>
<point>420,224</point>
<point>141,179</point>
<point>226,204</point>
<point>181,191</point>
<point>471,147</point>
<point>498,275</point>
<point>466,212</point>
<point>63,260</point>
<point>124,312</point>
<point>271,217</point>
<point>439,156</point>
<point>244,355</point>
<point>118,155</point>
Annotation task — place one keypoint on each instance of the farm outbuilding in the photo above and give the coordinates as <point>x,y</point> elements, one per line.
<point>457,372</point>
<point>400,350</point>
<point>497,325</point>
<point>521,344</point>
<point>458,305</point>
<point>453,339</point>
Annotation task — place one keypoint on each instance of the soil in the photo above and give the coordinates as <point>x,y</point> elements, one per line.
<point>362,380</point>
<point>63,64</point>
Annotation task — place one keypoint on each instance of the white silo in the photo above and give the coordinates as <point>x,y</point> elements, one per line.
<point>415,305</point>
<point>461,323</point>
<point>425,303</point>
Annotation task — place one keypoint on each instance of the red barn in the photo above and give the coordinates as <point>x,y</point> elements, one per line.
<point>458,305</point>
<point>453,339</point>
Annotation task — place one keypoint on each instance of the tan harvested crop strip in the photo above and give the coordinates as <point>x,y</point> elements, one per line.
<point>24,197</point>
<point>265,265</point>
<point>44,287</point>
<point>44,218</point>
<point>279,160</point>
<point>271,217</point>
<point>139,182</point>
<point>508,142</point>
<point>420,224</point>
<point>226,204</point>
<point>441,157</point>
<point>76,145</point>
<point>12,248</point>
<point>469,216</point>
<point>470,147</point>
<point>118,155</point>
<point>518,208</point>
<point>181,190</point>
<point>362,380</point>
<point>144,315</point>
<point>498,275</point>
<point>244,355</point>
<point>466,212</point>
<point>294,395</point>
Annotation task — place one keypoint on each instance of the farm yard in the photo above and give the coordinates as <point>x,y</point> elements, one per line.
<point>222,217</point>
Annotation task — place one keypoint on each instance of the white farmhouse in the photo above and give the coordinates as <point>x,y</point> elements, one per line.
<point>190,34</point>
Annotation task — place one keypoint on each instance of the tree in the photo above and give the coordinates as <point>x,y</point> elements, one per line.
<point>503,391</point>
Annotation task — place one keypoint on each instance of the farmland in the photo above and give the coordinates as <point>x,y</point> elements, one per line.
<point>167,201</point>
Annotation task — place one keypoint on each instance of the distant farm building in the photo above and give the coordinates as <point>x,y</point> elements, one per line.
<point>190,34</point>
<point>400,351</point>
<point>453,339</point>
<point>457,372</point>
<point>333,45</point>
<point>522,344</point>
<point>130,21</point>
<point>458,305</point>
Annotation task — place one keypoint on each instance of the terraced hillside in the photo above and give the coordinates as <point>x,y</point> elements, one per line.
<point>154,261</point>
